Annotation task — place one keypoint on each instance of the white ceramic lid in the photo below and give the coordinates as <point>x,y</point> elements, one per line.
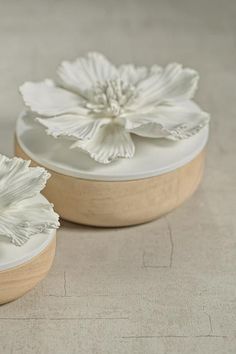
<point>152,156</point>
<point>12,256</point>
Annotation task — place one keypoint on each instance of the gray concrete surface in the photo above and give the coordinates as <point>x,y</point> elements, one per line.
<point>165,287</point>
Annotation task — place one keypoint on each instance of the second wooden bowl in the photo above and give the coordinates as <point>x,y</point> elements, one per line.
<point>22,268</point>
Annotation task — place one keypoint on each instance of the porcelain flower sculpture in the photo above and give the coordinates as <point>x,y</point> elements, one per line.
<point>100,106</point>
<point>22,214</point>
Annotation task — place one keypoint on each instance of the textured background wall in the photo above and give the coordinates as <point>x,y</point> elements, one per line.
<point>164,287</point>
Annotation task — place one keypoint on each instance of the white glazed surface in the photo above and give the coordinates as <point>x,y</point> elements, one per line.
<point>12,256</point>
<point>153,157</point>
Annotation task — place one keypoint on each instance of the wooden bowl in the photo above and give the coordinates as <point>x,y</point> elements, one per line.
<point>161,176</point>
<point>21,268</point>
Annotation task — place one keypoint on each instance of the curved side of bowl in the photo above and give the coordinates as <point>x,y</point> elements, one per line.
<point>121,203</point>
<point>15,282</point>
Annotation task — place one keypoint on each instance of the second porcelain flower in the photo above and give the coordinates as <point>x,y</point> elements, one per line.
<point>99,105</point>
<point>22,214</point>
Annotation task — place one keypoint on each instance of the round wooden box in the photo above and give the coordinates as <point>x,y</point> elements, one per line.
<point>161,176</point>
<point>21,268</point>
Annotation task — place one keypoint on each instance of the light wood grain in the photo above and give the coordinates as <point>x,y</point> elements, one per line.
<point>113,204</point>
<point>15,282</point>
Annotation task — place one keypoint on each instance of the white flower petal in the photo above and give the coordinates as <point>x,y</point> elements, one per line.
<point>18,181</point>
<point>171,121</point>
<point>82,74</point>
<point>110,142</point>
<point>131,74</point>
<point>155,69</point>
<point>47,99</point>
<point>22,220</point>
<point>146,126</point>
<point>73,126</point>
<point>171,83</point>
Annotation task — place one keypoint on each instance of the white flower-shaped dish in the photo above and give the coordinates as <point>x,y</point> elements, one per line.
<point>100,106</point>
<point>27,220</point>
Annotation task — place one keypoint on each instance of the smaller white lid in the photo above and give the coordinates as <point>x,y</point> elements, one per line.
<point>153,157</point>
<point>12,256</point>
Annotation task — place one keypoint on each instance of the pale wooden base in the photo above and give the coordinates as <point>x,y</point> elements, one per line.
<point>15,282</point>
<point>111,204</point>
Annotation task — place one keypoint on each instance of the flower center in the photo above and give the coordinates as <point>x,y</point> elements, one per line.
<point>110,97</point>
